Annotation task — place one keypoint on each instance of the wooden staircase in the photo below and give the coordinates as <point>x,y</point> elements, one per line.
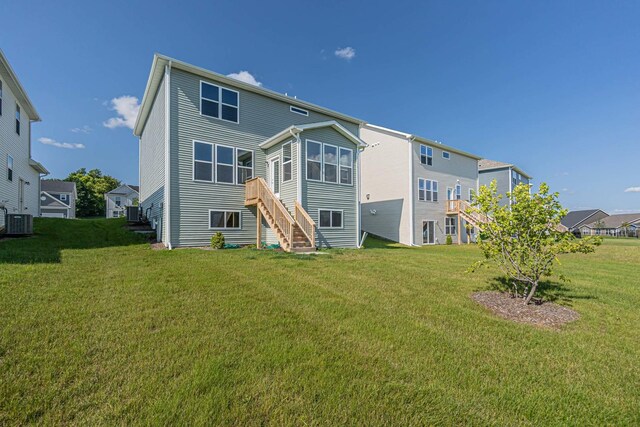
<point>295,233</point>
<point>463,209</point>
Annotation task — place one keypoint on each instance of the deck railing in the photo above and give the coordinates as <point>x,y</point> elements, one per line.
<point>306,224</point>
<point>257,189</point>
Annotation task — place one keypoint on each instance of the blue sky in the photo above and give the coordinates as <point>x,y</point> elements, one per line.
<point>553,87</point>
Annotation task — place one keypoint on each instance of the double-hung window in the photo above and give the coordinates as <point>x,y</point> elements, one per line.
<point>330,218</point>
<point>330,163</point>
<point>224,164</point>
<point>202,161</point>
<point>244,163</point>
<point>426,155</point>
<point>219,102</point>
<point>9,168</point>
<point>224,219</point>
<point>449,226</point>
<point>458,194</point>
<point>287,171</point>
<point>17,119</point>
<point>427,190</point>
<point>118,201</point>
<point>471,194</point>
<point>346,166</point>
<point>314,161</point>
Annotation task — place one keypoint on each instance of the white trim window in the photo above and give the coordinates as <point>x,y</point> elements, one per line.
<point>203,161</point>
<point>329,218</point>
<point>9,168</point>
<point>426,155</point>
<point>17,119</point>
<point>450,226</point>
<point>446,155</point>
<point>472,195</point>
<point>224,164</point>
<point>63,197</point>
<point>244,165</point>
<point>427,190</point>
<point>224,220</point>
<point>0,97</point>
<point>330,166</point>
<point>219,102</point>
<point>287,163</point>
<point>346,166</point>
<point>118,201</point>
<point>298,110</point>
<point>458,192</point>
<point>314,160</point>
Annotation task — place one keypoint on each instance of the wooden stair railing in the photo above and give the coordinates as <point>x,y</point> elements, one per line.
<point>293,233</point>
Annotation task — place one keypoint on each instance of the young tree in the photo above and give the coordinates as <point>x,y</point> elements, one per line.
<point>524,239</point>
<point>91,187</point>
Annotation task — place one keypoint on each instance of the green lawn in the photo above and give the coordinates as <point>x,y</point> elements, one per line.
<point>97,328</point>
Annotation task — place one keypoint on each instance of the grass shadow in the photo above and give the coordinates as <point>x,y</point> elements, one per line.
<point>53,235</point>
<point>547,291</point>
<point>374,242</point>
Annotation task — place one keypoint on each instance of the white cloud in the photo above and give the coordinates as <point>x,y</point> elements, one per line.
<point>83,129</point>
<point>565,189</point>
<point>54,143</point>
<point>347,53</point>
<point>245,76</point>
<point>127,108</point>
<point>632,190</point>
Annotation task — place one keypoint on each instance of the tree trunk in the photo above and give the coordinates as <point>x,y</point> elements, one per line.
<point>531,292</point>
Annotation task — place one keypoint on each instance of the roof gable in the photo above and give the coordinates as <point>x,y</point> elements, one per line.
<point>49,201</point>
<point>574,218</point>
<point>297,129</point>
<point>11,79</point>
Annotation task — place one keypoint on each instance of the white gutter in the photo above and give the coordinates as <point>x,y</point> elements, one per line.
<point>167,155</point>
<point>411,195</point>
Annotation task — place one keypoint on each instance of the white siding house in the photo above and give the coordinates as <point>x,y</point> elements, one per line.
<point>19,173</point>
<point>117,200</point>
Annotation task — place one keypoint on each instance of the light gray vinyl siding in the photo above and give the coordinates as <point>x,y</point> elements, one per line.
<point>459,169</point>
<point>503,181</point>
<point>18,147</point>
<point>152,158</point>
<point>323,195</point>
<point>260,117</point>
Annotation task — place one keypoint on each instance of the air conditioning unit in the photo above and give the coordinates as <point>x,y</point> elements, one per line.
<point>133,213</point>
<point>19,224</point>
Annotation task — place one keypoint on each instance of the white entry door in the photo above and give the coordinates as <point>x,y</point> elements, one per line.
<point>428,232</point>
<point>274,175</point>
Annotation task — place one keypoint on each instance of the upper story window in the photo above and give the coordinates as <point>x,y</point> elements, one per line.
<point>335,165</point>
<point>426,155</point>
<point>472,194</point>
<point>216,163</point>
<point>63,197</point>
<point>0,97</point>
<point>346,166</point>
<point>118,201</point>
<point>298,110</point>
<point>446,155</point>
<point>219,102</point>
<point>17,119</point>
<point>10,168</point>
<point>427,190</point>
<point>286,162</point>
<point>458,193</point>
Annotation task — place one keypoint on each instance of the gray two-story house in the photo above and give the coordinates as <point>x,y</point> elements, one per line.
<point>218,154</point>
<point>415,190</point>
<point>20,177</point>
<point>506,175</point>
<point>58,198</point>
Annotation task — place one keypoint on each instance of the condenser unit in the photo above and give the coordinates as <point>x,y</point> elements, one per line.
<point>18,224</point>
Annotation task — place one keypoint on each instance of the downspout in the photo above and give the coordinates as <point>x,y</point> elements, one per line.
<point>510,184</point>
<point>296,135</point>
<point>412,224</point>
<point>167,154</point>
<point>359,241</point>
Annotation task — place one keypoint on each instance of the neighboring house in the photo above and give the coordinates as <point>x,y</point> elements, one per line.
<point>507,176</point>
<point>575,219</point>
<point>413,189</point>
<point>119,198</point>
<point>58,198</point>
<point>20,174</point>
<point>218,154</point>
<point>623,225</point>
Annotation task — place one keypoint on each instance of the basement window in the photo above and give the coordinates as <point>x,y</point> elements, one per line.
<point>330,218</point>
<point>224,219</point>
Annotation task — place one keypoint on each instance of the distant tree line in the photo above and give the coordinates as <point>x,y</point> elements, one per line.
<point>91,187</point>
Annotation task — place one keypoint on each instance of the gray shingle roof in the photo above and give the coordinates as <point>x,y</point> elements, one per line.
<point>492,164</point>
<point>57,186</point>
<point>575,217</point>
<point>616,221</point>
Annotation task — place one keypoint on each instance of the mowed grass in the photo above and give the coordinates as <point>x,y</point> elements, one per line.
<point>98,329</point>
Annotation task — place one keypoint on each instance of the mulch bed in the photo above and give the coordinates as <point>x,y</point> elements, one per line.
<point>545,314</point>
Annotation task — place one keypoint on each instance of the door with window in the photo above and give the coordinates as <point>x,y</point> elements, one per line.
<point>274,175</point>
<point>428,232</point>
<point>21,195</point>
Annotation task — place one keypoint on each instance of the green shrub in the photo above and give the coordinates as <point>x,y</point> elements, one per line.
<point>217,241</point>
<point>449,240</point>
